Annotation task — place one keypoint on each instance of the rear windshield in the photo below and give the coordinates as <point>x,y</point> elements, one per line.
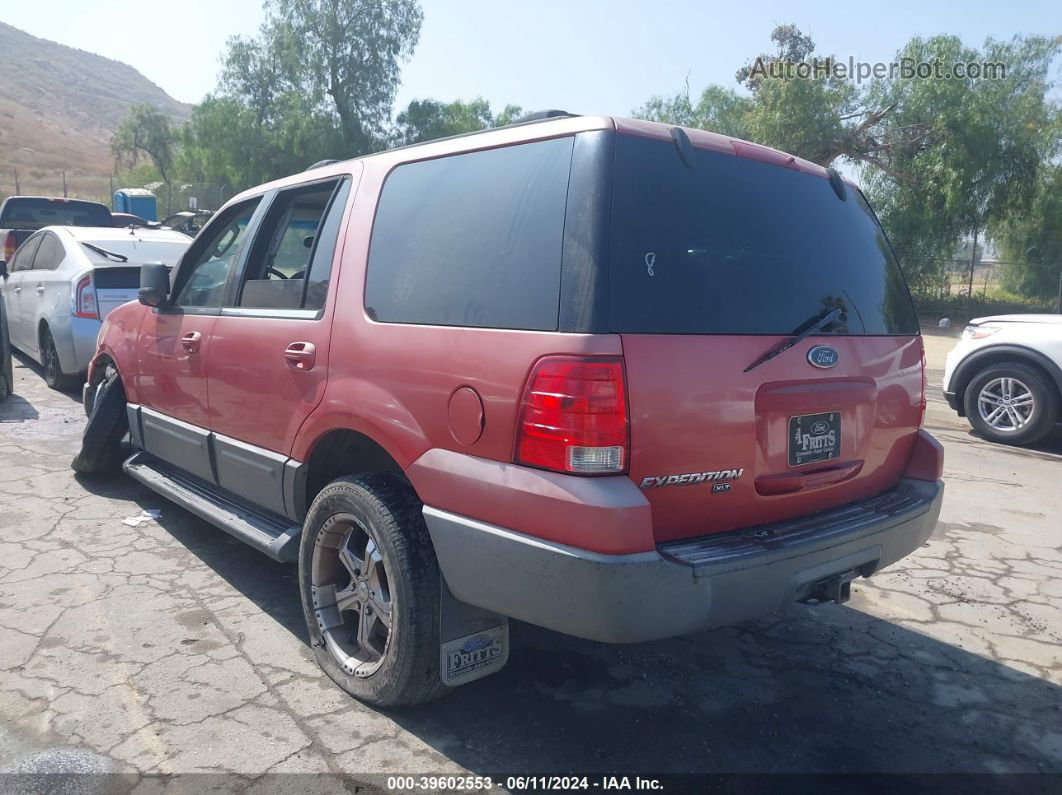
<point>731,245</point>
<point>137,252</point>
<point>36,213</point>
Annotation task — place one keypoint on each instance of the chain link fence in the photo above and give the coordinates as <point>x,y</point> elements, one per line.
<point>176,197</point>
<point>74,186</point>
<point>984,287</point>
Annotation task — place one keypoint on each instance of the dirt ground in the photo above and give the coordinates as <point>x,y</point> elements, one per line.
<point>170,648</point>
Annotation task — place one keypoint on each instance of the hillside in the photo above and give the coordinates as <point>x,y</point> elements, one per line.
<point>58,108</point>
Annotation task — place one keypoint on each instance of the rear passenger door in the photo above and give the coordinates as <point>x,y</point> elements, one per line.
<point>269,357</point>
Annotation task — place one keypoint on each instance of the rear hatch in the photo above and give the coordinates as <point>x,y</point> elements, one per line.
<point>718,258</point>
<point>115,285</point>
<point>118,282</point>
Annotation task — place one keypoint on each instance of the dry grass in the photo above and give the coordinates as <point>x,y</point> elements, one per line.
<point>58,109</point>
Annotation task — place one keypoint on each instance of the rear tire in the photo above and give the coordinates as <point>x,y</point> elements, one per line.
<point>7,375</point>
<point>53,370</point>
<point>1012,403</point>
<point>364,546</point>
<point>101,445</point>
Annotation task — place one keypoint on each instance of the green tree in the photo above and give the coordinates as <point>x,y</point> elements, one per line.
<point>1030,243</point>
<point>328,58</point>
<point>815,117</point>
<point>508,115</point>
<point>717,109</point>
<point>428,119</point>
<point>969,151</point>
<point>941,159</point>
<point>145,132</point>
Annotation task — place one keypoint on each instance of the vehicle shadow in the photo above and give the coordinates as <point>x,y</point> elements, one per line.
<point>827,689</point>
<point>1051,444</point>
<point>834,690</point>
<point>17,409</point>
<point>23,362</point>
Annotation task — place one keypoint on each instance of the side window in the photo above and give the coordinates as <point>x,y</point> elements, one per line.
<point>214,253</point>
<point>472,239</point>
<point>49,255</point>
<point>290,263</point>
<point>325,250</point>
<point>23,259</point>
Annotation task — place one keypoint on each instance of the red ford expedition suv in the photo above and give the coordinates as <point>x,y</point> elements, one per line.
<point>614,378</point>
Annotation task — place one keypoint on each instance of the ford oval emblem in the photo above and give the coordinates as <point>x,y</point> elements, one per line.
<point>822,356</point>
<point>476,643</point>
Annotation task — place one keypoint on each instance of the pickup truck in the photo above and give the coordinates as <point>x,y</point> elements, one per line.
<point>21,216</point>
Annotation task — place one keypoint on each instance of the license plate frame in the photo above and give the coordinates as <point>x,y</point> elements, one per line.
<point>807,444</point>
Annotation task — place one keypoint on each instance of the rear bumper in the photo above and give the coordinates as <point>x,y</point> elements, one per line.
<point>83,332</point>
<point>681,587</point>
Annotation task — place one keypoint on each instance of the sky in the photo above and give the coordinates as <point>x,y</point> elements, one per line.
<point>584,56</point>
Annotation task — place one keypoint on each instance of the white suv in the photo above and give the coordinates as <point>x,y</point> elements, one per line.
<point>1005,376</point>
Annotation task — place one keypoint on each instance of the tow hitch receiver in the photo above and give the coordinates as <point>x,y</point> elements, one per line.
<point>833,589</point>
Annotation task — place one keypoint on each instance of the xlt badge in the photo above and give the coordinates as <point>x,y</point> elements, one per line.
<point>692,479</point>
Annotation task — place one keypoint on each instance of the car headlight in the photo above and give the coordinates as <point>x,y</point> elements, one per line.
<point>979,332</point>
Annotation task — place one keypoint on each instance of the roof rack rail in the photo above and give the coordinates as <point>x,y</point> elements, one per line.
<point>320,164</point>
<point>541,115</point>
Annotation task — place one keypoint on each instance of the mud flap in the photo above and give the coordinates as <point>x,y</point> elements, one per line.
<point>473,642</point>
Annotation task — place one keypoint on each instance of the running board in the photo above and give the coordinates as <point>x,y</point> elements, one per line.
<point>279,541</point>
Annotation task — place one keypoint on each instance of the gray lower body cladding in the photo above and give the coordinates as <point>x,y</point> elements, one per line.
<point>681,587</point>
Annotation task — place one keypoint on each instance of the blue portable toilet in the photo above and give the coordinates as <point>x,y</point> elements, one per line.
<point>138,201</point>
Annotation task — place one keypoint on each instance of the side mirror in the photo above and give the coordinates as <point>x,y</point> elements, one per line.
<point>154,284</point>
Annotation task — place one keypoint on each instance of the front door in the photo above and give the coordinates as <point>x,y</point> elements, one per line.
<point>269,359</point>
<point>175,343</point>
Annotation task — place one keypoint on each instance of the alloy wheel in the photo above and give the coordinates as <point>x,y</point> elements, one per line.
<point>51,361</point>
<point>351,594</point>
<point>1006,405</point>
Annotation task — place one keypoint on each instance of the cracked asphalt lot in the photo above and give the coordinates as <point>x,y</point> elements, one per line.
<point>171,648</point>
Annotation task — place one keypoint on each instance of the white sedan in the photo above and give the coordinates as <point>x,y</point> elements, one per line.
<point>64,280</point>
<point>1005,376</point>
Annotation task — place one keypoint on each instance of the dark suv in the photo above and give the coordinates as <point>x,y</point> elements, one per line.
<point>614,378</point>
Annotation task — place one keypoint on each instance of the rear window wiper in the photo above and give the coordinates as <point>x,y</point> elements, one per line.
<point>813,324</point>
<point>114,257</point>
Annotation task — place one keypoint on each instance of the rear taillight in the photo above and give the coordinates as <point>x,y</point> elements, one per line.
<point>9,246</point>
<point>573,417</point>
<point>85,298</point>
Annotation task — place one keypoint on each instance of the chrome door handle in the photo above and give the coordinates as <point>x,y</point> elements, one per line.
<point>18,289</point>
